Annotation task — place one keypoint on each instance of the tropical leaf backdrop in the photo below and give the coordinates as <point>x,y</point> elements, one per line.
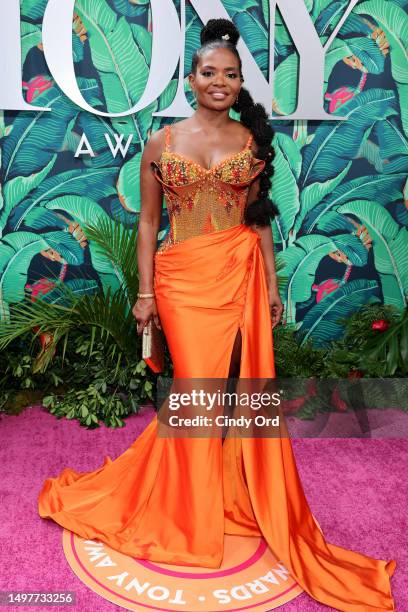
<point>340,186</point>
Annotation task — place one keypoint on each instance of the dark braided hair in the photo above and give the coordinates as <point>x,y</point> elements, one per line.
<point>222,33</point>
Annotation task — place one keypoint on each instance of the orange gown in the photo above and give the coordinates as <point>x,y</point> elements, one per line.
<point>154,501</point>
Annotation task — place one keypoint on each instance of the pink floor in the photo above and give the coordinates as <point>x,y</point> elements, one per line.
<point>357,488</point>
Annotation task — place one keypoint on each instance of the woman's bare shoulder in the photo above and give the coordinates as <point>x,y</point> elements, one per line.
<point>155,144</point>
<point>242,131</point>
<point>246,133</point>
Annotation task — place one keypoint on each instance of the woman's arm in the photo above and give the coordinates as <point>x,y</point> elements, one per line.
<point>267,249</point>
<point>151,199</point>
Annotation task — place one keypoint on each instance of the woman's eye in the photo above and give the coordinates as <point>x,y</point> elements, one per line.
<point>208,73</point>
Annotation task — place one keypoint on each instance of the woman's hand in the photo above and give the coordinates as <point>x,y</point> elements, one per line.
<point>143,311</point>
<point>275,305</point>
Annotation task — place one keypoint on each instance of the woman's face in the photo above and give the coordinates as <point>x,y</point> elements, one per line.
<point>217,81</point>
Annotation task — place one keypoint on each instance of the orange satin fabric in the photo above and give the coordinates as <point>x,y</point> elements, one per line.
<point>172,499</point>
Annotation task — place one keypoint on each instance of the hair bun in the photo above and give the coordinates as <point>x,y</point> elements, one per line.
<point>216,29</point>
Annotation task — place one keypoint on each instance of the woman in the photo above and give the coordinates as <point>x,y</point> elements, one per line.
<point>211,285</point>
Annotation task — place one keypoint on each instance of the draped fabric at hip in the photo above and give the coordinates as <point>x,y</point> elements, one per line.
<point>172,499</point>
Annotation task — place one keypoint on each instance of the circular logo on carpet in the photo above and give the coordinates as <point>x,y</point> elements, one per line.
<point>250,578</point>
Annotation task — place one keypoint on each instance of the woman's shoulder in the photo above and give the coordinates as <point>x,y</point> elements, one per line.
<point>249,139</point>
<point>244,133</point>
<point>158,137</point>
<point>239,126</point>
<point>156,143</point>
<point>161,137</point>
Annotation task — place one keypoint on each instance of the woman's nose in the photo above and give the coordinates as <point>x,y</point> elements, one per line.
<point>219,79</point>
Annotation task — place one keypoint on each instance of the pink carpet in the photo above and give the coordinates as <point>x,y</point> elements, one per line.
<point>357,488</point>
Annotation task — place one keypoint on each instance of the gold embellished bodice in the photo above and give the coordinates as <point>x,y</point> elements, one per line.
<point>201,200</point>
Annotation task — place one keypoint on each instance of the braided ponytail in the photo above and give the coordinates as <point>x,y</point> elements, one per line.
<point>222,33</point>
<point>255,118</point>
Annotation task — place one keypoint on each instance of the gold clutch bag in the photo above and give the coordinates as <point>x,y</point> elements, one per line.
<point>153,347</point>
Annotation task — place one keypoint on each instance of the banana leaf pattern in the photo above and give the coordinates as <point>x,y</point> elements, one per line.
<point>340,186</point>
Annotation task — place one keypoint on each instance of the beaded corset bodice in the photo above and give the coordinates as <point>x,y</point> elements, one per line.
<point>201,200</point>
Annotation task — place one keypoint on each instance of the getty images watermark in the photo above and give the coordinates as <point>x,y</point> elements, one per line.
<point>279,407</point>
<point>217,407</point>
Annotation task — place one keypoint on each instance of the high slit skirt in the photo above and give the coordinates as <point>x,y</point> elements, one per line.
<point>172,499</point>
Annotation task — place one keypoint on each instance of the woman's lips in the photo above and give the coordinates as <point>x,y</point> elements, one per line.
<point>218,95</point>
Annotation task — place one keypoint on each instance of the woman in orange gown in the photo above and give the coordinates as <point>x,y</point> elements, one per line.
<point>216,298</point>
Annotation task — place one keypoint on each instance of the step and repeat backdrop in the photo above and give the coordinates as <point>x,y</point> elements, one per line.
<point>70,151</point>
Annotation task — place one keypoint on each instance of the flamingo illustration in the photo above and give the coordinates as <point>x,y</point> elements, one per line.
<point>36,86</point>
